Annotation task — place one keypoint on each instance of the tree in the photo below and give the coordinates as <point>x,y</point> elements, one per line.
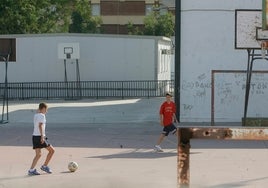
<point>82,20</point>
<point>33,16</point>
<point>47,16</point>
<point>132,30</point>
<point>159,24</point>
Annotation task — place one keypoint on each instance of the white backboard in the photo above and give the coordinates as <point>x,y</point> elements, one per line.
<point>68,51</point>
<point>246,24</point>
<point>261,34</point>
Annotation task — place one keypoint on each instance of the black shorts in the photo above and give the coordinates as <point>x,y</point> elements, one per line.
<point>37,142</point>
<point>169,128</point>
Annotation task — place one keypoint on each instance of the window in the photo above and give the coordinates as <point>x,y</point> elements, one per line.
<point>95,9</point>
<point>148,9</point>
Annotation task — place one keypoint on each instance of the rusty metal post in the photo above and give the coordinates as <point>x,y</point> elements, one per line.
<point>184,136</point>
<point>223,133</point>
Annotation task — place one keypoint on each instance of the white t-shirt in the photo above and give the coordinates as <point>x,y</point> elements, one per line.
<point>39,118</point>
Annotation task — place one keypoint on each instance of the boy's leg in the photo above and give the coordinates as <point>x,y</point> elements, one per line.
<point>36,158</point>
<point>157,146</point>
<point>161,138</point>
<point>51,151</point>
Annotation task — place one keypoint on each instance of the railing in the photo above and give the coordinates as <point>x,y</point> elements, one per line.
<point>87,89</point>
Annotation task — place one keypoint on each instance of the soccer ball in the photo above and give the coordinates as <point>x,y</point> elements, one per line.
<point>72,166</point>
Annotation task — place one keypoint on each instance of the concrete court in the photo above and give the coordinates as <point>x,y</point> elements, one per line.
<point>112,142</point>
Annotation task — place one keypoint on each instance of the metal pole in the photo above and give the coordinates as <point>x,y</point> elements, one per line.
<point>66,79</point>
<point>249,69</point>
<point>183,143</point>
<point>252,56</point>
<point>78,80</point>
<point>5,97</point>
<point>212,99</point>
<point>177,56</point>
<point>6,87</point>
<point>184,136</point>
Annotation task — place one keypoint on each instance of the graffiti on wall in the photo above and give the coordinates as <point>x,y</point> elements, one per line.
<point>231,87</point>
<point>199,90</point>
<point>229,94</point>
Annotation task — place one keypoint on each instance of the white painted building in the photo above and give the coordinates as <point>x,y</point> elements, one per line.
<point>207,44</point>
<point>102,58</point>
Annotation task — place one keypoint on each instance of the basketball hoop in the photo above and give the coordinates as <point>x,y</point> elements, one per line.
<point>264,48</point>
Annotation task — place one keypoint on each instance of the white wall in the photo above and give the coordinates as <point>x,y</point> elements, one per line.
<point>208,44</point>
<point>102,58</point>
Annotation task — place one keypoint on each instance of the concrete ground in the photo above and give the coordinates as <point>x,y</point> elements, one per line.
<point>112,140</point>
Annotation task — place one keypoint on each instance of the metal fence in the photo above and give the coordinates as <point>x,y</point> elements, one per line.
<point>87,89</point>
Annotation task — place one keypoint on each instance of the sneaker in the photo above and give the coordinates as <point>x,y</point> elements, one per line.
<point>33,172</point>
<point>46,169</point>
<point>157,148</point>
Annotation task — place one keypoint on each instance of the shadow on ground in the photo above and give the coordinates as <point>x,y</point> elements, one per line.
<point>138,154</point>
<point>238,184</point>
<point>127,135</point>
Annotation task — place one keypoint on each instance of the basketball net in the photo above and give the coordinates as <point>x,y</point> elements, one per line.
<point>264,48</point>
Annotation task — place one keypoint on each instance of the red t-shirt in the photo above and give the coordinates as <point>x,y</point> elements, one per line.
<point>168,109</point>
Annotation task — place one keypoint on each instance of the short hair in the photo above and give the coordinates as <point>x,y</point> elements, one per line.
<point>42,105</point>
<point>169,94</point>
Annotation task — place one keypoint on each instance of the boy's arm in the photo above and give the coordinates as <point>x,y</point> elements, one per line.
<point>161,119</point>
<point>41,132</point>
<point>175,118</point>
<point>174,115</point>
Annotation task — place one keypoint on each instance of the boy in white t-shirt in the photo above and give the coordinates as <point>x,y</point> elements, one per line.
<point>40,140</point>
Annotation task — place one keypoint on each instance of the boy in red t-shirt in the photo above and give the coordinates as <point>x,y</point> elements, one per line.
<point>167,117</point>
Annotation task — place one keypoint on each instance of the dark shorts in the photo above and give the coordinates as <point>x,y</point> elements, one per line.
<point>37,142</point>
<point>169,128</point>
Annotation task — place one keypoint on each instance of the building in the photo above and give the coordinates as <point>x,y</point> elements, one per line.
<point>212,84</point>
<point>116,14</point>
<point>101,57</point>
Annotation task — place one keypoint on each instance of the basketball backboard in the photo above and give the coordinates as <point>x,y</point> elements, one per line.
<point>8,47</point>
<point>265,14</point>
<point>249,29</point>
<point>68,51</point>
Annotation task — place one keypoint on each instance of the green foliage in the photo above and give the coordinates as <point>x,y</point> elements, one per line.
<point>31,16</point>
<point>132,30</point>
<point>82,21</point>
<point>45,16</point>
<point>159,24</point>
